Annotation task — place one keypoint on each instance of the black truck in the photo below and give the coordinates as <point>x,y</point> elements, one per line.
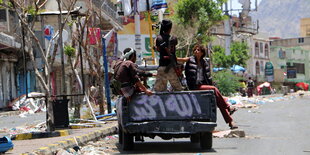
<point>168,115</point>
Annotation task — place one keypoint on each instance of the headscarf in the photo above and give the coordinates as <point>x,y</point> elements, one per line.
<point>128,54</point>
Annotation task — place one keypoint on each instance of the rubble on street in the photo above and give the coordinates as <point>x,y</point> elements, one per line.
<point>255,101</point>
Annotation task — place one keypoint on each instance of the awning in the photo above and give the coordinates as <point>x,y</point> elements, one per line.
<point>7,41</point>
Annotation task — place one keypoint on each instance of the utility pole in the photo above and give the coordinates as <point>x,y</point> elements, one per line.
<point>228,33</point>
<point>137,33</point>
<point>150,30</point>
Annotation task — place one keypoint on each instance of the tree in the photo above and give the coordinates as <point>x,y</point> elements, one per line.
<point>226,82</point>
<point>195,18</point>
<point>28,12</point>
<point>239,55</point>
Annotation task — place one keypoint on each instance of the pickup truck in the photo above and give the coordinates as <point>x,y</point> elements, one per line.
<point>183,114</point>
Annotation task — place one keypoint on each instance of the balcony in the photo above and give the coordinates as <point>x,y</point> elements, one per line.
<point>109,12</point>
<point>248,30</point>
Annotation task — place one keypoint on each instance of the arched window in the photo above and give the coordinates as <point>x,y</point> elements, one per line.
<point>257,70</point>
<point>256,49</point>
<point>266,51</point>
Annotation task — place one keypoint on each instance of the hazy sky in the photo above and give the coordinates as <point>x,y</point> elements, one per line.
<point>234,4</point>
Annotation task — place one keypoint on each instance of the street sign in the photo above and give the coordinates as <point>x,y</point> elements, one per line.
<point>48,32</point>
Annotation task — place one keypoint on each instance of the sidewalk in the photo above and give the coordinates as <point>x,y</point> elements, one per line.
<point>50,145</point>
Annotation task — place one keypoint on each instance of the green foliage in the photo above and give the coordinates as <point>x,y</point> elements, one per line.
<point>70,23</point>
<point>32,11</point>
<point>69,51</point>
<point>226,82</point>
<point>239,55</point>
<point>180,53</point>
<point>202,14</point>
<point>219,59</point>
<point>10,4</point>
<point>5,4</point>
<point>153,17</point>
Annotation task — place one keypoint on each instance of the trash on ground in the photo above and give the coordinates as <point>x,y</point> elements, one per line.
<point>31,105</point>
<point>229,134</point>
<point>5,144</point>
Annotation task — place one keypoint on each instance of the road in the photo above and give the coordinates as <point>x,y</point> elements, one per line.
<point>16,121</point>
<point>273,129</point>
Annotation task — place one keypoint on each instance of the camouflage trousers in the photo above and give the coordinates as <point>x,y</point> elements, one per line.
<point>162,78</point>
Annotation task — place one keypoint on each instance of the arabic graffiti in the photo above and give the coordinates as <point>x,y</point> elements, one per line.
<point>150,107</point>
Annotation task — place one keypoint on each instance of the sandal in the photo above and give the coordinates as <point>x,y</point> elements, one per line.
<point>232,110</point>
<point>233,126</point>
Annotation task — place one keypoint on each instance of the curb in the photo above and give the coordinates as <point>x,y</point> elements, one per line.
<point>35,135</point>
<point>71,142</point>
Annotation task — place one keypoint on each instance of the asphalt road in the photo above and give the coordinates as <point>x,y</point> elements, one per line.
<point>279,128</point>
<point>17,121</point>
<point>272,129</point>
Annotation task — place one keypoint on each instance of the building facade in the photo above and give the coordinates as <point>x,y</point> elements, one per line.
<point>259,56</point>
<point>9,51</point>
<point>291,59</point>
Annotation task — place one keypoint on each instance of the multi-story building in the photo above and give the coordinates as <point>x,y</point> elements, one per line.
<point>259,56</point>
<point>12,75</point>
<point>9,51</point>
<point>291,59</point>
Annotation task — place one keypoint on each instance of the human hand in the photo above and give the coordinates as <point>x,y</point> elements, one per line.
<point>148,92</point>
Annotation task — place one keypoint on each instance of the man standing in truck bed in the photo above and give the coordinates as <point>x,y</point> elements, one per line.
<point>165,72</point>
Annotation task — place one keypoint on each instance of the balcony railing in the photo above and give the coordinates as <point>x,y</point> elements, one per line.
<point>108,8</point>
<point>249,30</point>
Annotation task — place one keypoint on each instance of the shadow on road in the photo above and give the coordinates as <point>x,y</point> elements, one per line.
<point>164,147</point>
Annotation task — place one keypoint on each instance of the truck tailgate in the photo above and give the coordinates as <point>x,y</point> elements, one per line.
<point>173,106</point>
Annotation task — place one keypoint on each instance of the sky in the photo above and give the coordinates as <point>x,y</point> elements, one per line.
<point>234,4</point>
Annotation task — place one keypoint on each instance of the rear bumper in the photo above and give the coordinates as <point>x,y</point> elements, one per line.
<point>169,127</point>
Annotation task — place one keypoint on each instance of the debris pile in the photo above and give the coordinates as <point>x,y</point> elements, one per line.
<point>103,146</point>
<point>29,104</point>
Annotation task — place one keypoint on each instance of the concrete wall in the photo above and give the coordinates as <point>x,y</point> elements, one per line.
<point>305,27</point>
<point>293,42</point>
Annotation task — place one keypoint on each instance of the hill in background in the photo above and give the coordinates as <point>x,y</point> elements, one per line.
<point>281,18</point>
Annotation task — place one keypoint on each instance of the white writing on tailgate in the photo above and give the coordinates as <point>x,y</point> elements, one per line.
<point>184,105</point>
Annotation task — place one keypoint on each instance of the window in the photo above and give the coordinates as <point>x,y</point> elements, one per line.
<point>2,15</point>
<point>282,54</point>
<point>262,66</point>
<point>257,68</point>
<point>256,49</point>
<point>261,49</point>
<point>300,40</point>
<point>299,67</point>
<point>266,51</point>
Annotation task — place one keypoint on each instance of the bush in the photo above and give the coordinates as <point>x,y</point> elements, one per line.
<point>226,82</point>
